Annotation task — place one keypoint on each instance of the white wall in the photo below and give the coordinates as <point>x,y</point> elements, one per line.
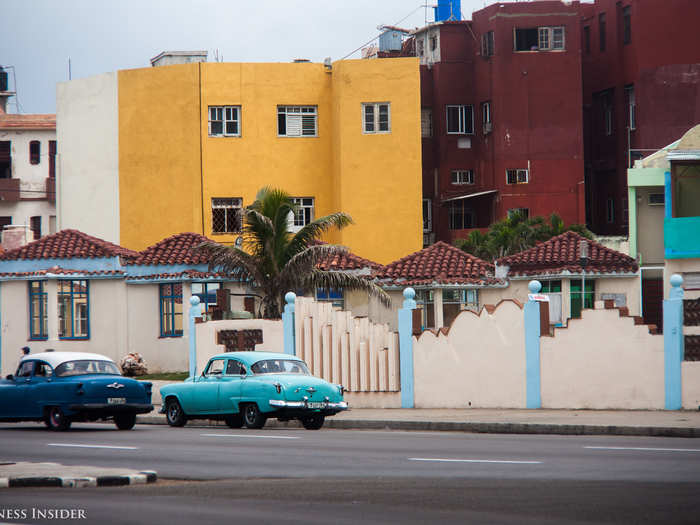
<point>88,162</point>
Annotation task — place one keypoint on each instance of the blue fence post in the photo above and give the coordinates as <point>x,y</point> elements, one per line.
<point>288,324</point>
<point>195,311</point>
<point>406,347</point>
<point>673,345</point>
<point>533,396</point>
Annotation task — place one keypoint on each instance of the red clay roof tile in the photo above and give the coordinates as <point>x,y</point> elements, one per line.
<point>37,121</point>
<point>67,244</point>
<point>439,263</point>
<point>176,249</point>
<point>562,253</point>
<point>347,261</point>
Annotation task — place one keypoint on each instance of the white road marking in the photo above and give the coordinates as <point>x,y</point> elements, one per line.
<point>90,446</point>
<point>444,460</point>
<point>648,449</point>
<point>249,436</point>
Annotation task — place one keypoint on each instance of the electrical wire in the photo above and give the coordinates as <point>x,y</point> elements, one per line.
<point>373,39</point>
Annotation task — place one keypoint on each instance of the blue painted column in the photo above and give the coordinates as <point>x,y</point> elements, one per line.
<point>195,311</point>
<point>406,347</point>
<point>288,324</point>
<point>533,397</point>
<point>673,345</point>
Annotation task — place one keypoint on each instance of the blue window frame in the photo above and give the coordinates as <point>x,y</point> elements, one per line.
<point>171,310</point>
<point>206,293</point>
<point>332,295</point>
<point>73,309</point>
<point>38,323</point>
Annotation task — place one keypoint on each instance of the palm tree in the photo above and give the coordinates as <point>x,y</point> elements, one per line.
<point>275,260</point>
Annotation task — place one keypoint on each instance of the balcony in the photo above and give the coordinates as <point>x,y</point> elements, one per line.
<point>51,189</point>
<point>682,237</point>
<point>9,190</point>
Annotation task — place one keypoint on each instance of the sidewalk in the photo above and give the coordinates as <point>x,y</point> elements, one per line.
<point>685,423</point>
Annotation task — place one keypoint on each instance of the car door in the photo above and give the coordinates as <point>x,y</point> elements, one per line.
<point>230,388</point>
<point>15,397</point>
<point>205,396</point>
<point>40,390</point>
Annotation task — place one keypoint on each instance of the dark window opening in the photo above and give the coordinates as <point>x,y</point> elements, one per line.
<point>601,30</point>
<point>461,216</point>
<point>35,225</point>
<point>5,221</point>
<point>587,39</point>
<point>526,39</point>
<point>627,25</point>
<point>487,45</point>
<point>34,152</point>
<point>5,160</point>
<point>52,158</point>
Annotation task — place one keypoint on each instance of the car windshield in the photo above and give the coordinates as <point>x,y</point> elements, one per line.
<point>86,366</point>
<point>280,366</point>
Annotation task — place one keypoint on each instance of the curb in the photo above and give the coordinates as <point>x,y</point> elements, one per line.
<point>470,427</point>
<point>146,476</point>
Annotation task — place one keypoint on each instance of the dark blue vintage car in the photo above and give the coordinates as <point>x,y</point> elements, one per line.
<point>61,387</point>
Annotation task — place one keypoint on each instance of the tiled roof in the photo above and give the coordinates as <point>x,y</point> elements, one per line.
<point>13,121</point>
<point>438,264</point>
<point>57,270</point>
<point>67,244</point>
<point>186,274</point>
<point>562,253</point>
<point>347,261</point>
<point>176,249</point>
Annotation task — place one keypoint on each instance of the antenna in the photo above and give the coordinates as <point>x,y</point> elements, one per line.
<point>70,76</point>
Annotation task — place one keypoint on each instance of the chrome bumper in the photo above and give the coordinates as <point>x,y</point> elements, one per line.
<point>280,403</point>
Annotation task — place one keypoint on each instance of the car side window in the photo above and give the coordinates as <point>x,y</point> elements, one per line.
<point>234,368</point>
<point>25,369</point>
<point>43,369</point>
<point>216,367</point>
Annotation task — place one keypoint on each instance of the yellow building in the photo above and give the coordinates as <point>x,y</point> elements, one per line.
<point>147,153</point>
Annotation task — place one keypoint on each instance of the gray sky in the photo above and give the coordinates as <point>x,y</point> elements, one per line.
<point>38,36</point>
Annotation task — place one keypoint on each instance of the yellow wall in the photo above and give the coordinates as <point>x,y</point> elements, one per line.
<point>376,178</point>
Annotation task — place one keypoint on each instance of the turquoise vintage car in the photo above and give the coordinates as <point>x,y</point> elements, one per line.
<point>248,388</point>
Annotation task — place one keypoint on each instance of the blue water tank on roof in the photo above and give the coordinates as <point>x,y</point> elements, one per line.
<point>448,10</point>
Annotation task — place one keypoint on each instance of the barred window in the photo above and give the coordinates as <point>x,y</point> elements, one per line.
<point>297,121</point>
<point>517,176</point>
<point>226,215</point>
<point>462,176</point>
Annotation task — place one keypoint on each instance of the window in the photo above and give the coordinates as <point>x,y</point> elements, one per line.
<point>38,322</point>
<point>215,367</point>
<point>461,216</point>
<point>224,121</point>
<point>226,215</point>
<point>550,38</point>
<point>522,212</point>
<point>656,199</point>
<point>420,47</point>
<point>426,302</point>
<point>427,216</point>
<point>587,39</point>
<point>486,117</point>
<point>5,221</point>
<point>454,301</point>
<point>433,43</point>
<point>631,107</point>
<point>303,214</point>
<point>627,25</point>
<point>5,159</point>
<point>297,121</point>
<point>610,211</point>
<point>35,225</point>
<point>52,158</point>
<point>170,310</point>
<point>576,296</point>
<point>607,113</point>
<point>332,295</point>
<point>462,176</point>
<point>460,119</point>
<point>601,30</point>
<point>206,293</point>
<point>487,47</point>
<point>235,368</point>
<point>34,152</point>
<point>375,118</point>
<point>517,176</point>
<point>73,309</point>
<point>426,122</point>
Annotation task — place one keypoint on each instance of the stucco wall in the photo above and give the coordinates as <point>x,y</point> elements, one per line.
<point>602,361</point>
<point>87,165</point>
<point>691,384</point>
<point>479,363</point>
<point>650,227</point>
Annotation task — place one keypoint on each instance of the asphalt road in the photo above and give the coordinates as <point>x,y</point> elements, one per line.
<point>345,476</point>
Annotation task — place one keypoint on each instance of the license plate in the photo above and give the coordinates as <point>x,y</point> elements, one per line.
<point>315,404</point>
<point>116,400</point>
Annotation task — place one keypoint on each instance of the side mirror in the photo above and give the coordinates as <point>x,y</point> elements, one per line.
<point>9,377</point>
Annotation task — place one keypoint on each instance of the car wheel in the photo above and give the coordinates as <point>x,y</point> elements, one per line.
<point>252,416</point>
<point>125,421</point>
<point>174,413</point>
<point>313,422</point>
<point>234,420</point>
<point>56,419</point>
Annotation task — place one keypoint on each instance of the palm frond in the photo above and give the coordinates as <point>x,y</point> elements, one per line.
<point>312,231</point>
<point>230,260</point>
<point>345,281</point>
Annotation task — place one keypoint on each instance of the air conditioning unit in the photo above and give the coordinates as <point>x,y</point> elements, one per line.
<point>488,127</point>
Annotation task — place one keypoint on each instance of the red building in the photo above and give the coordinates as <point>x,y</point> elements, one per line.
<point>519,107</point>
<point>641,91</point>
